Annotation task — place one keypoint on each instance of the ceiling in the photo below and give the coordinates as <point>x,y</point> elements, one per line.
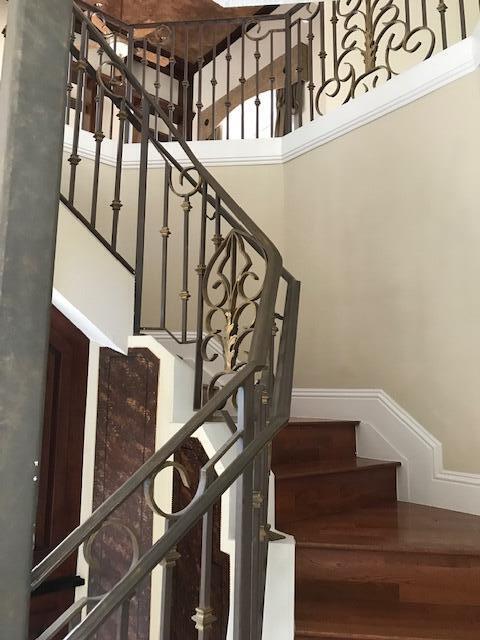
<point>138,11</point>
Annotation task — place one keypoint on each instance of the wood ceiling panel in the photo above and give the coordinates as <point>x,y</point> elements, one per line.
<point>138,11</point>
<point>186,43</point>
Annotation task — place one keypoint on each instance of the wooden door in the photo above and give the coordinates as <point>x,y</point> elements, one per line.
<point>60,477</point>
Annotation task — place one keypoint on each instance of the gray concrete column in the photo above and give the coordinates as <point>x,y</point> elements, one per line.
<point>32,99</point>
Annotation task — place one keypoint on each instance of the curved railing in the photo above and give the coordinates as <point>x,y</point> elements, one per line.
<point>264,75</point>
<point>243,293</point>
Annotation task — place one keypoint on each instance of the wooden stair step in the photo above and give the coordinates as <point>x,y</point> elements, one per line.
<point>398,526</point>
<point>309,490</point>
<point>350,465</point>
<point>342,619</point>
<point>424,554</point>
<point>310,440</point>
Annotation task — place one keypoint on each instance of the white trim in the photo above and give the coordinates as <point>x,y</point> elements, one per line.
<point>388,432</point>
<point>445,67</point>
<point>81,321</point>
<point>164,336</point>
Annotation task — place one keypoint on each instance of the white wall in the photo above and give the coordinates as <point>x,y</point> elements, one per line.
<point>92,285</point>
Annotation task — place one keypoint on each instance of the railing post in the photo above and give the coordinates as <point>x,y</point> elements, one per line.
<point>242,614</point>
<point>142,207</point>
<point>288,75</point>
<point>32,107</point>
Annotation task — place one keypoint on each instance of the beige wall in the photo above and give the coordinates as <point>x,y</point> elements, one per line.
<point>384,232</point>
<point>94,284</point>
<point>383,228</point>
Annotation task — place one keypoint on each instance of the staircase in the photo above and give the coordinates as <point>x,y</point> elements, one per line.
<point>369,567</point>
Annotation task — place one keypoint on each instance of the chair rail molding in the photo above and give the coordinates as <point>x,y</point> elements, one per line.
<point>388,432</point>
<point>438,71</point>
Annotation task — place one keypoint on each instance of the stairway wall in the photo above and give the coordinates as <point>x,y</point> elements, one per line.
<point>384,238</point>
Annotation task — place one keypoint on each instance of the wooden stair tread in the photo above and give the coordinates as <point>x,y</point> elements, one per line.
<point>318,468</point>
<point>399,526</point>
<point>366,620</point>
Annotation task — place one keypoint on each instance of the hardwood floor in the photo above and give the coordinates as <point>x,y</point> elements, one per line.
<point>369,567</point>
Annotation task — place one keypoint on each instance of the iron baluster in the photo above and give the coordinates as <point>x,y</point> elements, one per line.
<point>116,204</point>
<point>217,238</point>
<point>124,620</point>
<point>129,90</point>
<point>242,614</point>
<point>169,563</point>
<point>171,106</point>
<point>242,81</point>
<point>141,214</point>
<point>185,294</point>
<point>334,21</point>
<point>74,158</point>
<point>201,267</point>
<point>214,83</point>
<point>424,13</point>
<point>288,75</point>
<point>157,85</point>
<point>407,14</point>
<point>257,87</point>
<point>69,74</point>
<point>185,86</point>
<point>442,10</point>
<point>112,104</point>
<point>298,106</point>
<point>165,233</point>
<point>272,90</point>
<point>311,82</point>
<point>228,104</point>
<point>463,24</point>
<point>199,81</point>
<point>83,111</point>
<point>99,137</point>
<point>204,616</point>
<point>322,53</point>
<point>144,63</point>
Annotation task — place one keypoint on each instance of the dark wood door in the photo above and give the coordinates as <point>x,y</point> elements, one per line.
<point>60,477</point>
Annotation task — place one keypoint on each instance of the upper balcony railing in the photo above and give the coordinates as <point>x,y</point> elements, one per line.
<point>266,75</point>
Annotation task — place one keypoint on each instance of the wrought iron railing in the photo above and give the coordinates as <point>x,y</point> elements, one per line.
<point>265,75</point>
<point>245,301</point>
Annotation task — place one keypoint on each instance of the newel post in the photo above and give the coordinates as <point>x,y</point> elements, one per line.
<point>32,103</point>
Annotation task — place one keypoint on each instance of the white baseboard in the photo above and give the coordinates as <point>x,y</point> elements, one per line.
<point>388,432</point>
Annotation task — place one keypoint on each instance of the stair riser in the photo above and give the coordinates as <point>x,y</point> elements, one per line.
<point>312,496</point>
<point>416,577</point>
<point>309,443</point>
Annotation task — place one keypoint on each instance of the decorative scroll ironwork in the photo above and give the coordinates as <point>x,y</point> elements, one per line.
<point>235,309</point>
<point>373,31</point>
<point>117,524</point>
<point>149,488</point>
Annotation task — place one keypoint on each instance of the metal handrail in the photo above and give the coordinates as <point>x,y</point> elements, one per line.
<point>152,25</point>
<point>258,359</point>
<point>259,347</point>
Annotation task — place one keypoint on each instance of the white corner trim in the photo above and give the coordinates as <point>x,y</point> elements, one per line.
<point>86,326</point>
<point>388,432</point>
<point>441,69</point>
